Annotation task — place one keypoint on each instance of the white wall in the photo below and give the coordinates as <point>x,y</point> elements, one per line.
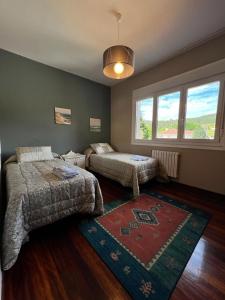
<point>201,168</point>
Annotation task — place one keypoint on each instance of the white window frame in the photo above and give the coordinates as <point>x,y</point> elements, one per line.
<point>157,95</point>
<point>203,75</point>
<point>136,116</point>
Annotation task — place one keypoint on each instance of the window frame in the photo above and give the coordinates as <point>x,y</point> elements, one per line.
<point>218,123</point>
<point>200,76</point>
<point>152,116</point>
<point>157,95</point>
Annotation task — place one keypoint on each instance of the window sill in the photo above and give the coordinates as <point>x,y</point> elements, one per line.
<point>217,147</point>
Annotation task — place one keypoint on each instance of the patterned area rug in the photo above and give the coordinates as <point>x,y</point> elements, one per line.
<point>146,242</point>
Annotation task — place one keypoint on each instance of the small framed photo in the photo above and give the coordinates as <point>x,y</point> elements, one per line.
<point>95,125</point>
<point>62,116</point>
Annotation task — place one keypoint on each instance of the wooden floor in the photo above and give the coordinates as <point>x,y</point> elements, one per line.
<point>58,262</point>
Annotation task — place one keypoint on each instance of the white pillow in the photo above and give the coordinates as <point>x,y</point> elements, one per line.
<point>25,154</point>
<point>101,148</point>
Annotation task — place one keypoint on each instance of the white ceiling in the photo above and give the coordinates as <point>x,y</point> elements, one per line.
<point>72,34</point>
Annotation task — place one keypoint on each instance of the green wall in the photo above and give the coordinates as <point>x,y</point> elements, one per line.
<point>29,91</point>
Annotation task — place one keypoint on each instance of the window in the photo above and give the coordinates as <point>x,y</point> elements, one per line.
<point>167,115</point>
<point>189,115</point>
<point>201,111</point>
<point>144,113</point>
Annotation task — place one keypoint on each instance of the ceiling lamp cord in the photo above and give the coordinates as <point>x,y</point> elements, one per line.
<point>118,19</point>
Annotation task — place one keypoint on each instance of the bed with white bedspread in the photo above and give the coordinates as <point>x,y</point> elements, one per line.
<point>36,197</point>
<point>123,167</point>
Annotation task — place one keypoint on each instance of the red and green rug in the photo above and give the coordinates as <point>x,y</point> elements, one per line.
<point>146,242</point>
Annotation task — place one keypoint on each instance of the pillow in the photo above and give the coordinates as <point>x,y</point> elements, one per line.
<point>101,148</point>
<point>25,154</point>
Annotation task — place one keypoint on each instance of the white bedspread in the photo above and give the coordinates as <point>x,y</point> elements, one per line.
<point>122,168</point>
<point>37,197</point>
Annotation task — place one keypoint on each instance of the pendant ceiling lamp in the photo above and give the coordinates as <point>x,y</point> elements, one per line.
<point>118,60</point>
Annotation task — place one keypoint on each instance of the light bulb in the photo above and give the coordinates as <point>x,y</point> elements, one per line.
<point>118,68</point>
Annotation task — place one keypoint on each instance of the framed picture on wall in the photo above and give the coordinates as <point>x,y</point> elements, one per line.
<point>62,116</point>
<point>95,125</point>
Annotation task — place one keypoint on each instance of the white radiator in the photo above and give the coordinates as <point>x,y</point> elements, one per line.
<point>169,160</point>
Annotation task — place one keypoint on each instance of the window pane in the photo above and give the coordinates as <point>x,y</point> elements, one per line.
<point>144,112</point>
<point>201,111</point>
<point>167,115</point>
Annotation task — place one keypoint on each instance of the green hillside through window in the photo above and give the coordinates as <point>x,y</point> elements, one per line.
<point>198,128</point>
